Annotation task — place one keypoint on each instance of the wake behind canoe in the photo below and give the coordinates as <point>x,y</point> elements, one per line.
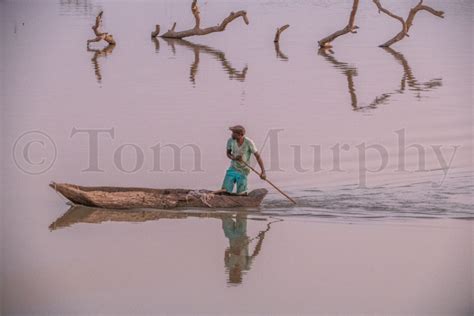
<point>128,198</point>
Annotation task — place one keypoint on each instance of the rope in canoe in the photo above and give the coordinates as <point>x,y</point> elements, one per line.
<point>205,197</point>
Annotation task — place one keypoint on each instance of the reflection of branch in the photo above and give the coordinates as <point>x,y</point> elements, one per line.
<point>217,54</point>
<point>348,70</point>
<point>406,24</point>
<point>279,53</point>
<point>157,44</point>
<point>350,27</point>
<point>261,236</point>
<point>408,79</point>
<point>197,30</point>
<point>99,53</point>
<point>98,34</point>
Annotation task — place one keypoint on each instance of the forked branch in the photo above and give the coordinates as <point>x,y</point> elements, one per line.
<point>197,30</point>
<point>406,24</point>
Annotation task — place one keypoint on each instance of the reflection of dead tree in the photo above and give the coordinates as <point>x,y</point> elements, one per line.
<point>217,54</point>
<point>197,30</point>
<point>99,53</point>
<point>157,44</point>
<point>349,71</point>
<point>406,24</point>
<point>408,79</point>
<point>100,35</point>
<point>279,31</point>
<point>350,27</point>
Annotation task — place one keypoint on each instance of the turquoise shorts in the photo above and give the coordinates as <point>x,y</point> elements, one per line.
<point>233,176</point>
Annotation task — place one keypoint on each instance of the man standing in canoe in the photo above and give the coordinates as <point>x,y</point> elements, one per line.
<point>239,149</point>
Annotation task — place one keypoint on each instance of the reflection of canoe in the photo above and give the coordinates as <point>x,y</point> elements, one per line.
<point>84,214</point>
<point>126,198</point>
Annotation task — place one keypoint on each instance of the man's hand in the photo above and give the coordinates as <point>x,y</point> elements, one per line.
<point>237,158</point>
<point>263,176</point>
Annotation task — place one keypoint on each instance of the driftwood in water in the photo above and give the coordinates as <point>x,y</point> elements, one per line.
<point>406,24</point>
<point>197,30</point>
<point>350,28</point>
<point>100,35</point>
<point>279,31</point>
<point>156,31</point>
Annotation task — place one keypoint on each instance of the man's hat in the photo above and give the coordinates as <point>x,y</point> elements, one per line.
<point>238,129</point>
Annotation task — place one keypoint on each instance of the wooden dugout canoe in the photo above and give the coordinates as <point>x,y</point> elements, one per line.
<point>128,198</point>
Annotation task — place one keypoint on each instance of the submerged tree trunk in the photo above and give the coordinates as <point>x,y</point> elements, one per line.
<point>350,27</point>
<point>406,24</point>
<point>197,30</point>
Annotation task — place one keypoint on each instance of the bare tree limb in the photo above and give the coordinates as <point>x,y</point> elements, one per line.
<point>406,24</point>
<point>350,27</point>
<point>197,30</point>
<point>98,34</point>
<point>279,31</point>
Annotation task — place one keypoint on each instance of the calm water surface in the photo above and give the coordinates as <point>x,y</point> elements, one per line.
<point>385,229</point>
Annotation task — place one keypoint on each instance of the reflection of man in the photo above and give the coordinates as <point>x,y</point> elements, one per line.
<point>239,150</point>
<point>236,257</point>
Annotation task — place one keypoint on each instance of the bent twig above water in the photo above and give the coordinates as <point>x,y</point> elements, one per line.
<point>279,31</point>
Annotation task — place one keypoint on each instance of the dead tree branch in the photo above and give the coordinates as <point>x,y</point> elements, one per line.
<point>197,30</point>
<point>98,34</point>
<point>279,31</point>
<point>406,24</point>
<point>350,27</point>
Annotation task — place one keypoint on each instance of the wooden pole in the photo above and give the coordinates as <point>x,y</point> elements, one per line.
<point>289,198</point>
